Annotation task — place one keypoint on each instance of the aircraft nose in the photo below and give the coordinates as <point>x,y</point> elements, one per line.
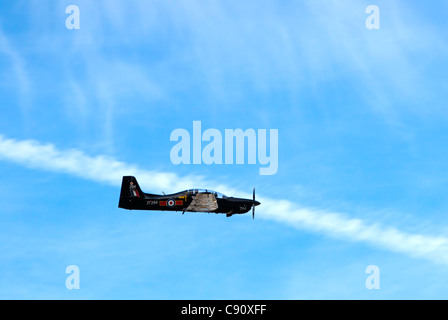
<point>256,203</point>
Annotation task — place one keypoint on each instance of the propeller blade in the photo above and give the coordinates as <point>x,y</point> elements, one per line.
<point>253,205</point>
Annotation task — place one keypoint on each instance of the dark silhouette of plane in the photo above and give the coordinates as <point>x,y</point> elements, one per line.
<point>193,200</point>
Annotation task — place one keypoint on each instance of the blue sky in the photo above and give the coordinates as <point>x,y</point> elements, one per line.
<point>362,156</point>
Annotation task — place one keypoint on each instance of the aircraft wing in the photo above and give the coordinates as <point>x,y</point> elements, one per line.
<point>203,202</point>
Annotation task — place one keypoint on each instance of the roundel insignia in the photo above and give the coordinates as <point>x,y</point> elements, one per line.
<point>171,203</point>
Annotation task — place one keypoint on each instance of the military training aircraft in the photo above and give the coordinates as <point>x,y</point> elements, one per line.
<point>193,200</point>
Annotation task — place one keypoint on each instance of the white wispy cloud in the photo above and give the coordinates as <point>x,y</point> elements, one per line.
<point>17,71</point>
<point>108,170</point>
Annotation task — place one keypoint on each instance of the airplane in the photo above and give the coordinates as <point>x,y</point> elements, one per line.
<point>193,200</point>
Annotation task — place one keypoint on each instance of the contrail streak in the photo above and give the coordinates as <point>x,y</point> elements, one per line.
<point>108,170</point>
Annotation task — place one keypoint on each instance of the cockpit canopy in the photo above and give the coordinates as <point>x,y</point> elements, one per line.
<point>217,194</point>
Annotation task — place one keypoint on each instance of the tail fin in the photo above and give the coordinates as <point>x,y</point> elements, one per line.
<point>129,190</point>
